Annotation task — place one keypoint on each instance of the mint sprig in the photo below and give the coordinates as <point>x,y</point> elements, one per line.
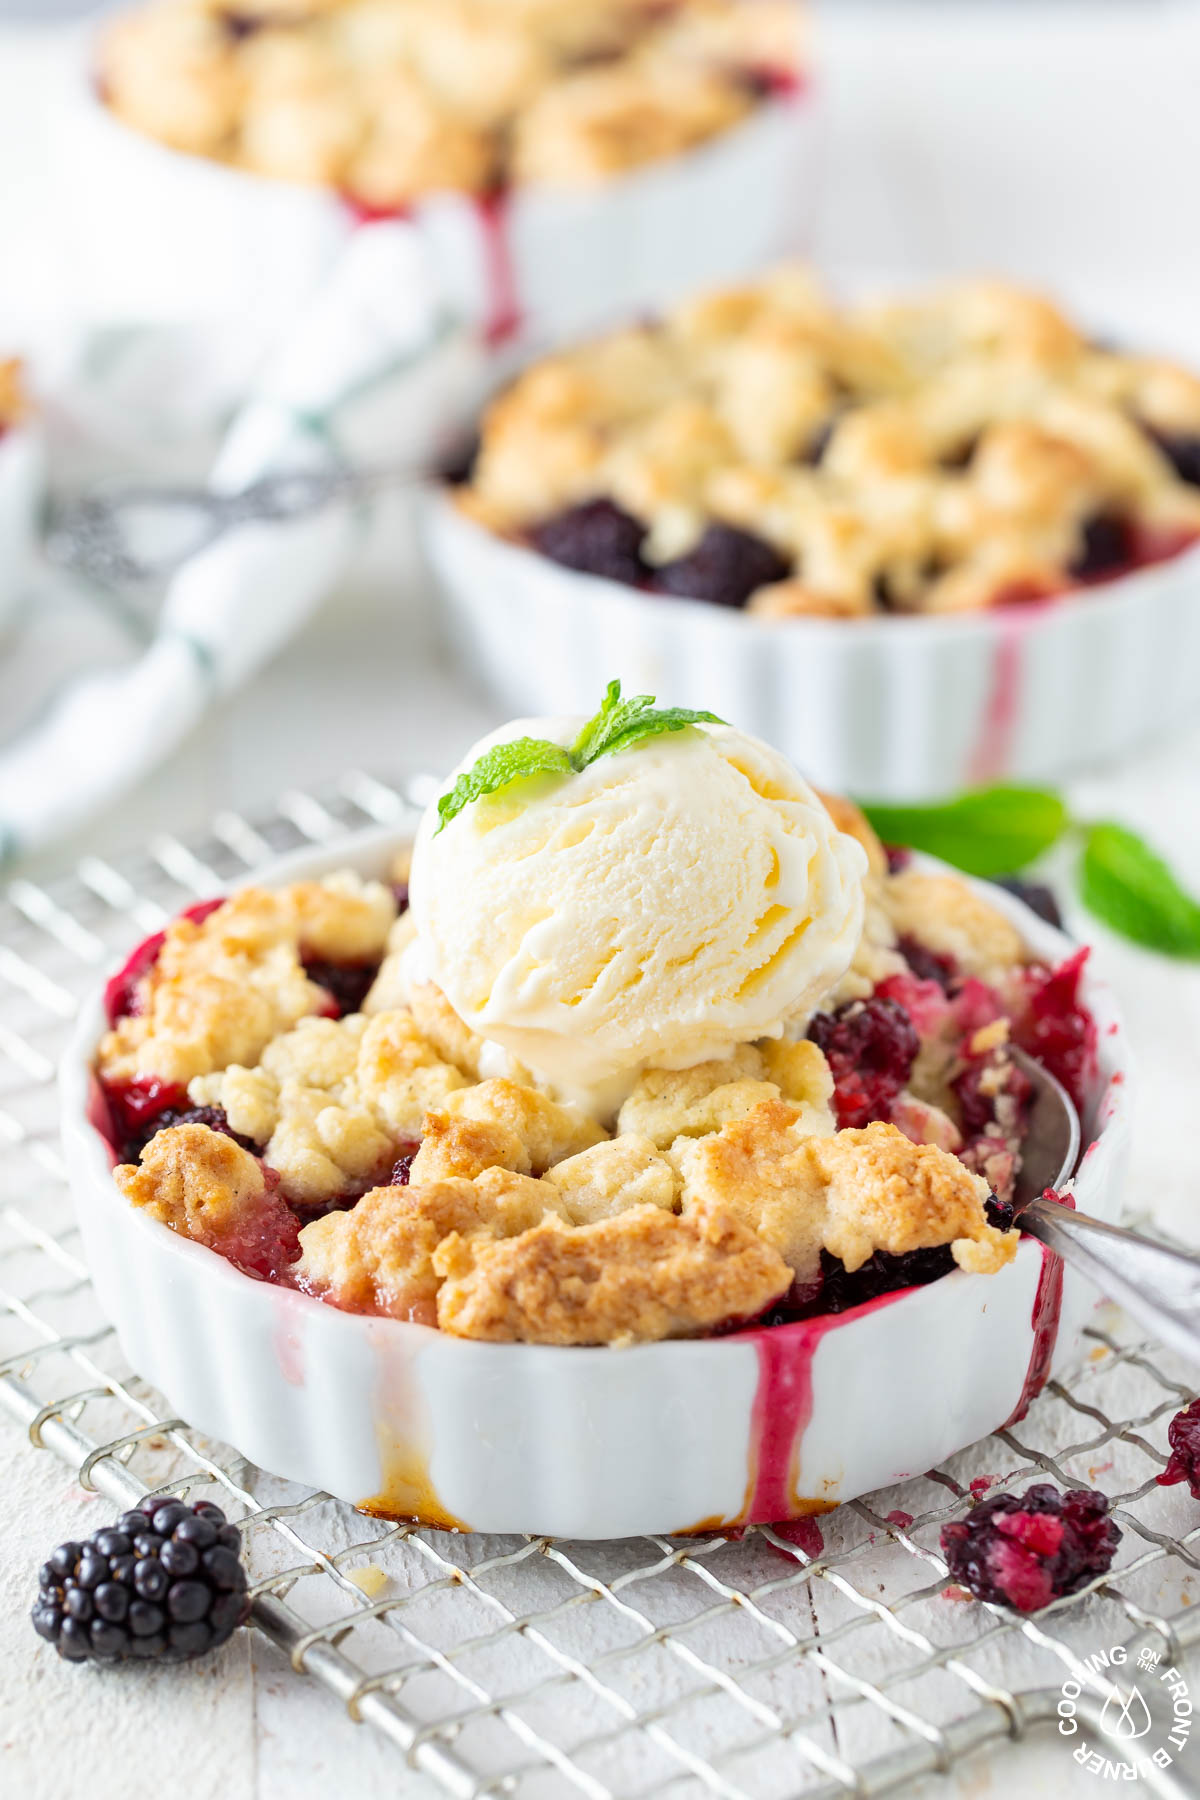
<point>619,725</point>
<point>1001,830</point>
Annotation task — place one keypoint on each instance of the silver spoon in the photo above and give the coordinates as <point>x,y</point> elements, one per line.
<point>1158,1286</point>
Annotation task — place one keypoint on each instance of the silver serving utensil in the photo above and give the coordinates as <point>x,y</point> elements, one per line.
<point>1158,1286</point>
<point>139,534</point>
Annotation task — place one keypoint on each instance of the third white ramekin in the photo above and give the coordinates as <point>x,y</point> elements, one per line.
<point>167,236</point>
<point>761,1425</point>
<point>887,709</point>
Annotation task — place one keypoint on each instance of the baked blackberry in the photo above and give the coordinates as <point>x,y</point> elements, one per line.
<point>1024,1550</point>
<point>595,538</point>
<point>870,1046</point>
<point>164,1584</point>
<point>724,568</point>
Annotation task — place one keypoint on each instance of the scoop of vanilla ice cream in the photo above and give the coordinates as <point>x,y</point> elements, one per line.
<point>678,897</point>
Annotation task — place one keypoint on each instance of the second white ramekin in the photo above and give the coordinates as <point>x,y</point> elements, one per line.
<point>762,1425</point>
<point>887,709</point>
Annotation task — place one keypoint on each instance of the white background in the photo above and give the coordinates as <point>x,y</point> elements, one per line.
<point>1049,141</point>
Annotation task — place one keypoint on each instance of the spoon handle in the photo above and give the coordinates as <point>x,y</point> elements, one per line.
<point>1160,1287</point>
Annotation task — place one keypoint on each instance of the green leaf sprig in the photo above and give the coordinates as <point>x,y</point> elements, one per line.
<point>618,725</point>
<point>1001,830</point>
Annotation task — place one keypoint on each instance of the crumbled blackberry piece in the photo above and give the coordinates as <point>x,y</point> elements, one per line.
<point>164,1583</point>
<point>1026,1550</point>
<point>898,858</point>
<point>1000,1213</point>
<point>725,568</point>
<point>926,964</point>
<point>596,538</point>
<point>1036,896</point>
<point>870,1046</point>
<point>1106,546</point>
<point>347,984</point>
<point>1183,1435</point>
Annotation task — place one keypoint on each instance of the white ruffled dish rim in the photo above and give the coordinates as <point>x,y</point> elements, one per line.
<point>165,234</point>
<point>762,1425</point>
<point>888,708</point>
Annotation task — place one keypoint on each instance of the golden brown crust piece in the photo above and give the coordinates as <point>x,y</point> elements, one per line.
<point>378,1257</point>
<point>642,1276</point>
<point>948,917</point>
<point>223,987</point>
<point>197,1181</point>
<point>852,1193</point>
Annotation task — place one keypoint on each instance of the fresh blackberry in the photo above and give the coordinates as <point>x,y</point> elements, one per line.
<point>163,1584</point>
<point>1024,1550</point>
<point>724,568</point>
<point>596,538</point>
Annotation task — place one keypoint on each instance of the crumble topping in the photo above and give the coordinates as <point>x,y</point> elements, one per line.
<point>643,1275</point>
<point>224,986</point>
<point>764,447</point>
<point>385,1174</point>
<point>392,100</point>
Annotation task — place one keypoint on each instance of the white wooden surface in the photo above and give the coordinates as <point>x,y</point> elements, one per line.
<point>1047,140</point>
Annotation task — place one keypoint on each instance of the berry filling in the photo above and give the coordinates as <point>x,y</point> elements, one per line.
<point>926,964</point>
<point>1183,1435</point>
<point>1056,1028</point>
<point>725,568</point>
<point>870,1046</point>
<point>596,538</point>
<point>347,984</point>
<point>265,1237</point>
<point>1026,1550</point>
<point>149,1126</point>
<point>122,995</point>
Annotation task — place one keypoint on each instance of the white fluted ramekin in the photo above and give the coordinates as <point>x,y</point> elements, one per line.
<point>22,474</point>
<point>169,236</point>
<point>761,1425</point>
<point>888,708</point>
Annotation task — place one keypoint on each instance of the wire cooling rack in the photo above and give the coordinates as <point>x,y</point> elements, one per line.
<point>754,1668</point>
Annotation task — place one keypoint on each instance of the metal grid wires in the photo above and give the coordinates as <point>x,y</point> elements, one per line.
<point>754,1669</point>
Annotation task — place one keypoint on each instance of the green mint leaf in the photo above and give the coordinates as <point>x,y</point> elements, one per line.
<point>620,723</point>
<point>651,724</point>
<point>1130,889</point>
<point>497,768</point>
<point>994,831</point>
